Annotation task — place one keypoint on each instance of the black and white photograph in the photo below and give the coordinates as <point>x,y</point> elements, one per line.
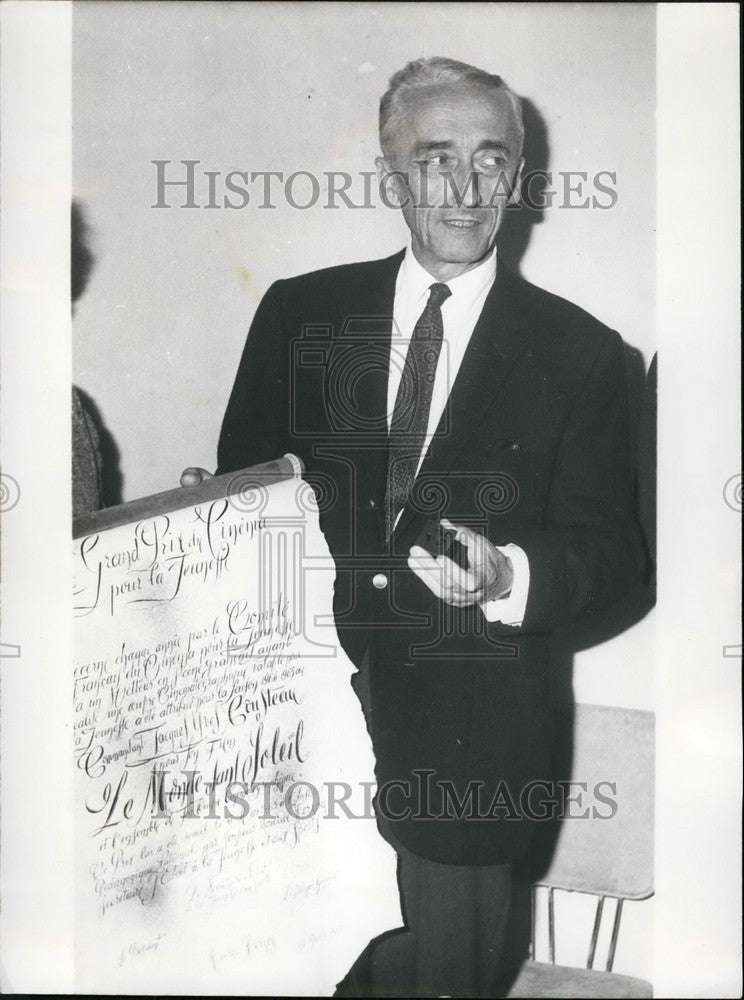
<point>371,499</point>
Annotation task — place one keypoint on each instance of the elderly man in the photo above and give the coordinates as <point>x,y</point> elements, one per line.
<point>474,432</point>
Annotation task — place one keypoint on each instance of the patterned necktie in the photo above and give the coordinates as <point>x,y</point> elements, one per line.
<point>412,404</point>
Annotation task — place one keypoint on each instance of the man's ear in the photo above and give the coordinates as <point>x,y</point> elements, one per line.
<point>391,181</point>
<point>516,188</point>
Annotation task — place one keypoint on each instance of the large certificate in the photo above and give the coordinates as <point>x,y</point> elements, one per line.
<point>225,838</point>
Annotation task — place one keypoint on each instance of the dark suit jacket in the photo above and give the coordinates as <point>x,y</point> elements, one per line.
<point>533,448</point>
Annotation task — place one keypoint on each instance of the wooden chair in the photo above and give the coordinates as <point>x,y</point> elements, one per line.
<point>609,858</point>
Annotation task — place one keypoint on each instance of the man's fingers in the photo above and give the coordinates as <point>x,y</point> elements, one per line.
<point>478,549</point>
<point>422,557</point>
<point>446,580</point>
<point>473,542</point>
<point>458,578</point>
<point>426,569</point>
<point>194,475</point>
<point>453,577</point>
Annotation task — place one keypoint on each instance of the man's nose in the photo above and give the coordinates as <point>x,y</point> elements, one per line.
<point>467,187</point>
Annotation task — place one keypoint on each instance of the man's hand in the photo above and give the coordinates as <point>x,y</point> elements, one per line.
<point>194,475</point>
<point>488,577</point>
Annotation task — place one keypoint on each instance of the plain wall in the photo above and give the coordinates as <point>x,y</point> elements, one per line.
<point>159,330</point>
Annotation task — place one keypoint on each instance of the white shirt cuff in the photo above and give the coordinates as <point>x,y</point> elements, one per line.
<point>510,610</point>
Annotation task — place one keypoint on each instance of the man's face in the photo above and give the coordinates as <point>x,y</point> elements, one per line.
<point>459,149</point>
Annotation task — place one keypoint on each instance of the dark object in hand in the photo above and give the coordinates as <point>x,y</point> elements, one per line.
<point>440,541</point>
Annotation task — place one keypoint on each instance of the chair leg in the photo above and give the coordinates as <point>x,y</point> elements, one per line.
<point>551,926</point>
<point>595,932</point>
<point>615,933</point>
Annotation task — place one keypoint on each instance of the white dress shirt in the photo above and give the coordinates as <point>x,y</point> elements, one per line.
<point>460,313</point>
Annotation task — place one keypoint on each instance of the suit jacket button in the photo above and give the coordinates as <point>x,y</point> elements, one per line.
<point>372,504</point>
<point>516,446</point>
<point>380,581</point>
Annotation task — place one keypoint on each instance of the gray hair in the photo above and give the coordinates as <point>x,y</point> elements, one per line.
<point>421,73</point>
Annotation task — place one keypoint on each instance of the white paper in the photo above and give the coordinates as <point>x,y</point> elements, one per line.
<point>225,840</point>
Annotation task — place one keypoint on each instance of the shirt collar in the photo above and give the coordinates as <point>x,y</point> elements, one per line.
<point>415,280</point>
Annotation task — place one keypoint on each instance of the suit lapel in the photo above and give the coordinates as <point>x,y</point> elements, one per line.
<point>499,340</point>
<point>370,318</point>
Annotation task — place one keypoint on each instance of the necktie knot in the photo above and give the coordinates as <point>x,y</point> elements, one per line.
<point>438,293</point>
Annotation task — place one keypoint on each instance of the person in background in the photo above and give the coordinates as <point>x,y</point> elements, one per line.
<point>96,479</point>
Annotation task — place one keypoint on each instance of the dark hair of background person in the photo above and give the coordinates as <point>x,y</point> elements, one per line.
<point>96,476</point>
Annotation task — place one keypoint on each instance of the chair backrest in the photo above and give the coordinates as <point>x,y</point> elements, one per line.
<point>613,755</point>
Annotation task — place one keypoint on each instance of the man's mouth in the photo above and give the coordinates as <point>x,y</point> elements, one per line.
<point>461,223</point>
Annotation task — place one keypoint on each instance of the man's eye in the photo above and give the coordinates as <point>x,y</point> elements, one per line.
<point>495,162</point>
<point>437,160</point>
